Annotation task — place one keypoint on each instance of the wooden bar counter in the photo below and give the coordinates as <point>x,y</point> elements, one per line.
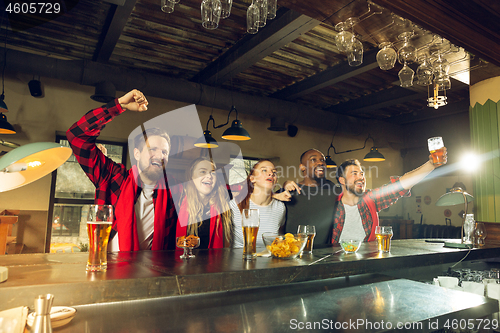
<point>145,275</point>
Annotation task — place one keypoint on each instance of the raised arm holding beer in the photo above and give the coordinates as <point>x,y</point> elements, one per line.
<point>356,216</point>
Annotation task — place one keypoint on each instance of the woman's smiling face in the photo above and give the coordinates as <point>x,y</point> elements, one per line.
<point>204,177</point>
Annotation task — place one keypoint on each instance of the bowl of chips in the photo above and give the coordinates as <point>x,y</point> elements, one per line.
<point>188,243</point>
<point>350,246</point>
<point>287,246</point>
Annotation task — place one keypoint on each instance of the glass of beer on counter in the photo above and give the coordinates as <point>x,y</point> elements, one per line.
<point>384,235</point>
<point>99,221</point>
<point>310,231</point>
<point>250,223</point>
<point>436,148</point>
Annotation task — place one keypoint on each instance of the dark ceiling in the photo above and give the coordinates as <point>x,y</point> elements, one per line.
<point>294,58</point>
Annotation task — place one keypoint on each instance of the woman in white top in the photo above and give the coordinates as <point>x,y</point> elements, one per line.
<point>260,184</point>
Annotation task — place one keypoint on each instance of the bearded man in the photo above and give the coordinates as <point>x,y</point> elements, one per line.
<point>145,215</point>
<point>357,211</point>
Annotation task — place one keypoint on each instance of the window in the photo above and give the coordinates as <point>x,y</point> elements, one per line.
<point>71,194</point>
<point>241,169</point>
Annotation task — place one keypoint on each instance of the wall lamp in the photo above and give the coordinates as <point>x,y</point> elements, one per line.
<point>457,196</point>
<point>236,132</point>
<point>373,156</point>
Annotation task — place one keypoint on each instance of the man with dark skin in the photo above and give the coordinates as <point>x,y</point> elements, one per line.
<point>313,200</point>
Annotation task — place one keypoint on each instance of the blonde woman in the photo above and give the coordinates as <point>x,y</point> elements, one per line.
<point>204,206</point>
<point>260,184</point>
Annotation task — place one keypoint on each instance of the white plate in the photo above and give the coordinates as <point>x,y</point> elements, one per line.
<point>59,316</point>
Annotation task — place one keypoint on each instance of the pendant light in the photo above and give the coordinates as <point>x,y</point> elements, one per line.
<point>330,164</point>
<point>373,156</point>
<point>236,132</point>
<point>30,162</point>
<point>5,126</point>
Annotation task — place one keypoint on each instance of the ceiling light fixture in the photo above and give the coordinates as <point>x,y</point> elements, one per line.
<point>456,196</point>
<point>330,164</point>
<point>105,92</point>
<point>277,124</point>
<point>236,132</point>
<point>5,126</point>
<point>30,162</point>
<point>373,156</point>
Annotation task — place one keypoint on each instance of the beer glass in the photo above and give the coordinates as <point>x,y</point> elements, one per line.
<point>436,148</point>
<point>99,221</point>
<point>384,235</point>
<point>310,231</point>
<point>250,223</point>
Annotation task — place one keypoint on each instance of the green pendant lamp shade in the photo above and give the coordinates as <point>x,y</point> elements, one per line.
<point>374,156</point>
<point>30,162</point>
<point>236,132</point>
<point>206,141</point>
<point>5,126</point>
<point>454,197</point>
<point>330,164</point>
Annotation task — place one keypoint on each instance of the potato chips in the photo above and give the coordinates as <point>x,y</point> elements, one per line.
<point>189,241</point>
<point>286,246</point>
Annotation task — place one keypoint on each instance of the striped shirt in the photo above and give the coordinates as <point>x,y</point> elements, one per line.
<point>272,218</point>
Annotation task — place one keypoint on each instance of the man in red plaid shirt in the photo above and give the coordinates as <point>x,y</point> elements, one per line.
<point>357,210</point>
<point>145,215</point>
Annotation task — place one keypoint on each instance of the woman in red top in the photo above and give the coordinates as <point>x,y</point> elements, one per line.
<point>204,206</point>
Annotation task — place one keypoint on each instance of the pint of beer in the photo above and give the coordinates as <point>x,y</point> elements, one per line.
<point>250,223</point>
<point>384,235</point>
<point>436,148</point>
<point>100,219</point>
<point>310,231</point>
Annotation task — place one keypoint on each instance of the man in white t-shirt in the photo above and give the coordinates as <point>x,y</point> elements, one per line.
<point>357,211</point>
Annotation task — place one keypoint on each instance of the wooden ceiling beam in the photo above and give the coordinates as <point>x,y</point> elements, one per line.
<point>328,77</point>
<point>371,102</point>
<point>431,113</point>
<point>116,21</point>
<point>286,27</point>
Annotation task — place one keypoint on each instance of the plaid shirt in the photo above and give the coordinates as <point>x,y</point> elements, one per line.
<point>107,176</point>
<point>382,197</point>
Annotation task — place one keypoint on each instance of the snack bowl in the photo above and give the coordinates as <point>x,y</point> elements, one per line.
<point>287,246</point>
<point>188,243</point>
<point>350,245</point>
<point>59,316</point>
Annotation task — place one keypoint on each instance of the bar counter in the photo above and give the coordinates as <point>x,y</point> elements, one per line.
<point>146,275</point>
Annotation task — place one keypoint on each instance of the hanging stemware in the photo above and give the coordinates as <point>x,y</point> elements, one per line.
<point>407,52</point>
<point>252,19</point>
<point>441,68</point>
<point>225,8</point>
<point>271,9</point>
<point>262,5</point>
<point>386,57</point>
<point>210,14</point>
<point>406,76</point>
<point>425,73</point>
<point>355,53</point>
<point>442,82</point>
<point>167,6</point>
<point>441,65</point>
<point>344,38</point>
